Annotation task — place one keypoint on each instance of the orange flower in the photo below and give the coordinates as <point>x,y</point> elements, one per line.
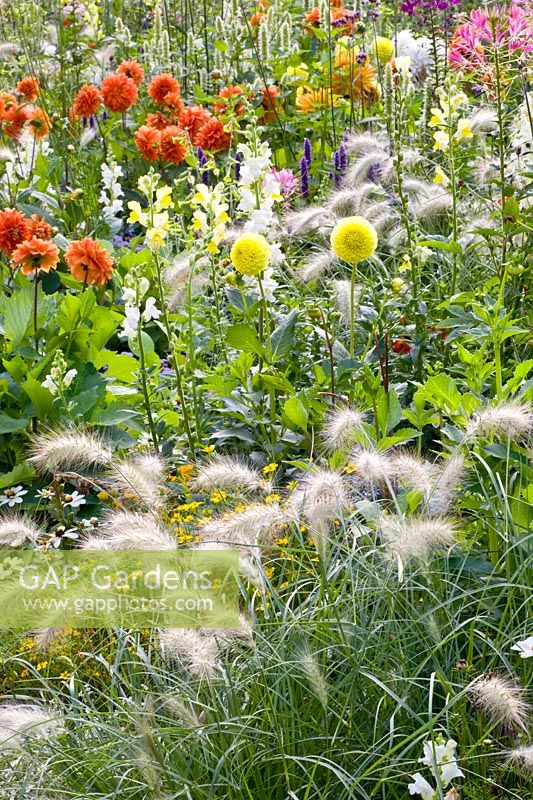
<point>257,18</point>
<point>271,102</point>
<point>174,103</point>
<point>13,229</point>
<point>308,100</point>
<point>312,19</point>
<point>173,144</point>
<point>226,104</point>
<point>186,472</point>
<point>214,136</point>
<point>35,255</point>
<point>87,102</point>
<point>147,140</point>
<point>157,121</point>
<point>133,70</point>
<point>161,85</point>
<point>39,228</point>
<point>13,121</point>
<point>364,87</point>
<point>191,120</point>
<point>7,102</point>
<point>119,92</point>
<point>39,123</point>
<point>28,87</point>
<point>89,262</point>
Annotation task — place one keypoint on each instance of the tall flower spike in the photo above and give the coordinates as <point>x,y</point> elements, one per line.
<point>54,451</point>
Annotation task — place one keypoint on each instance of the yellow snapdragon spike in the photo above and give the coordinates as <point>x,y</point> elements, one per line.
<point>163,198</point>
<point>136,213</point>
<point>463,129</point>
<point>440,177</point>
<point>437,118</point>
<point>212,247</point>
<point>442,140</point>
<point>156,237</point>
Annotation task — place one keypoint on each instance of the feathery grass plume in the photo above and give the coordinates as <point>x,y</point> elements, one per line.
<point>225,472</point>
<point>446,478</point>
<point>26,720</point>
<point>485,120</point>
<point>252,526</point>
<point>152,465</point>
<point>125,530</point>
<point>374,468</point>
<point>416,537</point>
<point>500,699</point>
<point>250,566</point>
<point>523,757</point>
<point>309,219</point>
<point>376,168</point>
<point>341,428</point>
<point>137,483</point>
<point>177,278</point>
<point>413,472</point>
<point>45,637</point>
<point>308,664</point>
<point>510,419</point>
<point>66,449</point>
<point>312,268</point>
<point>427,200</point>
<point>16,529</point>
<point>320,498</point>
<point>197,650</point>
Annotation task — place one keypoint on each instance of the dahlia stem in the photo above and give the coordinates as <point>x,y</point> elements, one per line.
<point>35,309</point>
<point>352,313</point>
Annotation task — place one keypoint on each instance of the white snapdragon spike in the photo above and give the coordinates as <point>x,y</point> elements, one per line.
<point>442,759</point>
<point>133,295</point>
<point>525,647</point>
<point>111,195</point>
<point>422,787</point>
<point>28,148</point>
<point>59,378</point>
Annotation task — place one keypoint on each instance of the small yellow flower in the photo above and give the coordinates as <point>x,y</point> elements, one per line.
<point>218,496</point>
<point>270,468</point>
<point>272,498</point>
<point>441,177</point>
<point>442,140</point>
<point>137,214</point>
<point>186,472</point>
<point>41,665</point>
<point>437,118</point>
<point>297,72</point>
<point>209,448</point>
<point>250,254</point>
<point>350,468</point>
<point>353,239</point>
<point>163,198</point>
<point>463,129</point>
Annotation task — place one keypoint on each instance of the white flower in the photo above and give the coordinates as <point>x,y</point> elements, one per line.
<point>422,787</point>
<point>150,310</point>
<point>62,533</point>
<point>49,384</point>
<point>12,496</point>
<point>69,377</point>
<point>442,757</point>
<point>130,326</point>
<point>525,647</point>
<point>75,500</point>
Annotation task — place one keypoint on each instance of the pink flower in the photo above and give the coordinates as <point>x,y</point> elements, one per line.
<point>474,40</point>
<point>287,181</point>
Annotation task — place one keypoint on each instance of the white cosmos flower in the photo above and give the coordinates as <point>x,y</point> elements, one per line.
<point>13,496</point>
<point>421,786</point>
<point>525,647</point>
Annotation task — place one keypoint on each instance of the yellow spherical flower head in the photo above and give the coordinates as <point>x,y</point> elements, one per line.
<point>353,239</point>
<point>250,254</point>
<point>384,49</point>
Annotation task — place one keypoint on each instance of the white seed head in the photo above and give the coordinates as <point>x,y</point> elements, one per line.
<point>416,537</point>
<point>523,757</point>
<point>445,481</point>
<point>124,530</point>
<point>413,472</point>
<point>224,472</point>
<point>373,467</point>
<point>501,700</point>
<point>512,420</point>
<point>54,451</point>
<point>17,529</point>
<point>137,483</point>
<point>321,497</point>
<point>310,219</point>
<point>251,527</point>
<point>341,428</point>
<point>312,268</point>
<point>196,650</point>
<point>19,721</point>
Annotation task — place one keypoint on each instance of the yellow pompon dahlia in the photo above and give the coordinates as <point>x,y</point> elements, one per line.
<point>353,239</point>
<point>250,254</point>
<point>384,49</point>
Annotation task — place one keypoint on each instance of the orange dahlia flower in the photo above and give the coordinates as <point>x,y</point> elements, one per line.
<point>225,104</point>
<point>173,145</point>
<point>35,255</point>
<point>271,102</point>
<point>7,102</point>
<point>191,120</point>
<point>13,121</point>
<point>89,262</point>
<point>14,229</point>
<point>174,103</point>
<point>39,123</point>
<point>29,88</point>
<point>257,18</point>
<point>39,227</point>
<point>147,140</point>
<point>214,136</point>
<point>158,121</point>
<point>119,92</point>
<point>132,69</point>
<point>88,101</point>
<point>161,85</point>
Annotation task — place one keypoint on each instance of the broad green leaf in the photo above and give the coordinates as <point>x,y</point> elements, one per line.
<point>19,474</point>
<point>244,337</point>
<point>295,414</point>
<point>42,399</point>
<point>10,424</point>
<point>19,310</point>
<point>119,365</point>
<point>282,340</point>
